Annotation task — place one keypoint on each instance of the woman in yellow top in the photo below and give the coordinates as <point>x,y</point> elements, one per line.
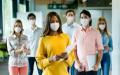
<point>51,56</point>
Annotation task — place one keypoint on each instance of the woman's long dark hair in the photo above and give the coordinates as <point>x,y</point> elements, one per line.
<point>48,21</point>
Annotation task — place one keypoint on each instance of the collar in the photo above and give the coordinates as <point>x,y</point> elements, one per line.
<point>14,36</point>
<point>35,28</point>
<point>71,24</point>
<point>88,29</point>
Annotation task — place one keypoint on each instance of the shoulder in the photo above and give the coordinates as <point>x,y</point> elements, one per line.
<point>10,37</point>
<point>78,29</point>
<point>95,30</point>
<point>24,36</point>
<point>65,35</point>
<point>64,25</point>
<point>76,24</point>
<point>43,38</point>
<point>39,29</point>
<point>96,33</point>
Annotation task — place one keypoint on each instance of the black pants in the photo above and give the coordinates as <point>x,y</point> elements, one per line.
<point>31,61</point>
<point>85,73</point>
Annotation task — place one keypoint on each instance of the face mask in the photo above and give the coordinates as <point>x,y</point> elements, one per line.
<point>31,22</point>
<point>102,26</point>
<point>54,26</point>
<point>84,22</point>
<point>70,19</point>
<point>17,29</point>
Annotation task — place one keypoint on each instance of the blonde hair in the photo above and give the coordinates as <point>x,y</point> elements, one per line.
<point>105,30</point>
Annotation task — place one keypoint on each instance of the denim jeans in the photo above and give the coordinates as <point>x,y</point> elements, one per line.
<point>72,70</point>
<point>99,72</point>
<point>105,64</point>
<point>31,61</point>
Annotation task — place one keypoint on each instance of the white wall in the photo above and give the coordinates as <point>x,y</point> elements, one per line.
<point>116,37</point>
<point>7,17</point>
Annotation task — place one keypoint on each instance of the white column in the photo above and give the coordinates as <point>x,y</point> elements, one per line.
<point>7,16</point>
<point>116,37</point>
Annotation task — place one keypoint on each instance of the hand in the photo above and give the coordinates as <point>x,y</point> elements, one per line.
<point>95,67</point>
<point>54,58</point>
<point>27,51</point>
<point>64,55</point>
<point>82,67</point>
<point>106,48</point>
<point>23,47</point>
<point>21,50</point>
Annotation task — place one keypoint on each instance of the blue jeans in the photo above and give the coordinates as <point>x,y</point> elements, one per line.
<point>72,69</point>
<point>105,64</point>
<point>99,72</point>
<point>31,61</point>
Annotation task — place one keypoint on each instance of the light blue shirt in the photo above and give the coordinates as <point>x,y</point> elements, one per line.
<point>70,29</point>
<point>107,41</point>
<point>33,39</point>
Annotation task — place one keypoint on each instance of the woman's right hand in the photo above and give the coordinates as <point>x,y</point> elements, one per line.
<point>106,48</point>
<point>21,50</point>
<point>64,55</point>
<point>81,68</point>
<point>54,58</point>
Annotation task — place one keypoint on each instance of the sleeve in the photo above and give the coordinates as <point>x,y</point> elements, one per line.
<point>71,57</point>
<point>10,49</point>
<point>110,44</point>
<point>73,41</point>
<point>99,44</point>
<point>27,45</point>
<point>42,60</point>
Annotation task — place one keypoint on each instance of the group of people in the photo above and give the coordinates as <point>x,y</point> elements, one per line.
<point>68,49</point>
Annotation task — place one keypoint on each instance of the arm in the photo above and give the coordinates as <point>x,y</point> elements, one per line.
<point>71,56</point>
<point>110,44</point>
<point>11,50</point>
<point>99,57</point>
<point>41,58</point>
<point>100,51</point>
<point>26,47</point>
<point>76,57</point>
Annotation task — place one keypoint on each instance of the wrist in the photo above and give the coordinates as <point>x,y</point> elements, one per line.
<point>50,59</point>
<point>20,51</point>
<point>97,64</point>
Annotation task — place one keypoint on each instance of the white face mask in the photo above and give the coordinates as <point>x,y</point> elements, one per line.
<point>54,26</point>
<point>70,19</point>
<point>84,22</point>
<point>102,26</point>
<point>17,29</point>
<point>31,22</point>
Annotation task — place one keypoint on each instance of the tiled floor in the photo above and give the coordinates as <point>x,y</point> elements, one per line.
<point>4,68</point>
